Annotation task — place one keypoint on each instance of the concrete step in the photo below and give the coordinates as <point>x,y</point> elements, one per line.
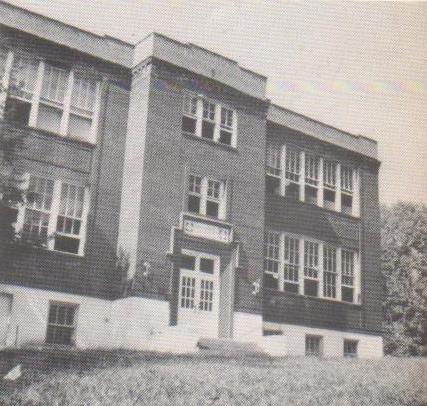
<point>228,346</point>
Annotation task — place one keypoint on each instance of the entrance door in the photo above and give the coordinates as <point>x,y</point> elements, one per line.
<point>198,304</point>
<point>5,313</point>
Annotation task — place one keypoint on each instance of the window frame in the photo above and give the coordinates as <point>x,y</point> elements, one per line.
<point>55,214</point>
<point>37,99</point>
<point>350,354</point>
<point>322,272</point>
<point>72,327</point>
<point>319,342</point>
<point>300,173</point>
<point>199,116</point>
<point>205,198</point>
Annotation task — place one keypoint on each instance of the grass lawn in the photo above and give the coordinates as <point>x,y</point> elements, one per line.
<point>156,380</point>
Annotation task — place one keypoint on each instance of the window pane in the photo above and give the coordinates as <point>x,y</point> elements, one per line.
<point>271,252</point>
<point>17,111</point>
<point>208,110</point>
<point>67,244</point>
<point>311,287</point>
<point>346,203</point>
<point>347,294</point>
<point>329,199</point>
<point>225,137</point>
<point>350,348</point>
<point>271,281</point>
<point>313,345</point>
<point>212,208</point>
<point>188,262</point>
<point>208,130</point>
<point>272,185</point>
<point>55,82</point>
<point>79,127</point>
<point>194,204</point>
<point>290,287</point>
<point>190,105</point>
<point>195,183</point>
<point>49,118</point>
<point>189,125</point>
<point>311,195</point>
<point>84,93</point>
<point>23,76</point>
<point>207,265</point>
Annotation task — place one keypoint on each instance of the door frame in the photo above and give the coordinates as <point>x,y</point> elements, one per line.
<point>199,275</point>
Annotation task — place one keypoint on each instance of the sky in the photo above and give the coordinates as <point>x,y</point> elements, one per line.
<point>358,66</point>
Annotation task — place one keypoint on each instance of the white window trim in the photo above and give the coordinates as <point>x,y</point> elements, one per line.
<point>65,107</point>
<point>54,213</point>
<point>321,187</point>
<point>222,200</point>
<point>321,244</point>
<point>217,122</point>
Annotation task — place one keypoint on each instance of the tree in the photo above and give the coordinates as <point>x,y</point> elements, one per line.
<point>404,265</point>
<point>12,190</point>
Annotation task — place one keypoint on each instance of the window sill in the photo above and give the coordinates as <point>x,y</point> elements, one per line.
<point>323,299</point>
<point>210,142</point>
<point>56,252</point>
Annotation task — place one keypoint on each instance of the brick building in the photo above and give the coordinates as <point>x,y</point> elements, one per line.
<point>174,201</point>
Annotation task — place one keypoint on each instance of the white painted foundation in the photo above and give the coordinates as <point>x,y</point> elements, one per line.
<point>292,341</point>
<point>247,326</point>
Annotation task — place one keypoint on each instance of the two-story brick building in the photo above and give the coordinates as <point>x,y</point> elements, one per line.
<point>174,201</point>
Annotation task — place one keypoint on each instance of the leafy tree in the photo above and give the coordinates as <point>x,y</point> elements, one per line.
<point>404,265</point>
<point>12,190</point>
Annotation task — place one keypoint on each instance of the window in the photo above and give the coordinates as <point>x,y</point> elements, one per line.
<point>189,118</point>
<point>292,173</point>
<point>329,272</point>
<point>291,265</point>
<point>311,178</point>
<point>313,346</point>
<point>271,259</point>
<point>350,348</point>
<point>226,130</point>
<point>347,276</point>
<point>68,228</point>
<point>206,197</point>
<point>346,189</point>
<point>311,268</point>
<point>273,169</point>
<point>208,122</point>
<point>61,323</point>
<point>308,267</point>
<point>51,97</point>
<point>329,184</point>
<point>38,207</point>
<point>54,215</point>
<point>206,119</point>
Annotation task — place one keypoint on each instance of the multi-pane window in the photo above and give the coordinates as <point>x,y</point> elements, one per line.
<point>69,223</point>
<point>329,272</point>
<point>329,184</point>
<point>313,346</point>
<point>324,271</point>
<point>51,97</point>
<point>311,178</point>
<point>347,276</point>
<point>350,348</point>
<point>291,264</point>
<point>208,122</point>
<point>61,323</point>
<point>188,292</point>
<point>292,173</point>
<point>311,268</point>
<point>346,189</point>
<point>226,129</point>
<point>271,258</point>
<point>273,169</point>
<point>38,208</point>
<point>206,196</point>
<point>54,215</point>
<point>207,119</point>
<point>206,295</point>
<point>189,118</point>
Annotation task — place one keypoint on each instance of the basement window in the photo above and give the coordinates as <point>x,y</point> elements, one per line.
<point>61,324</point>
<point>313,346</point>
<point>350,348</point>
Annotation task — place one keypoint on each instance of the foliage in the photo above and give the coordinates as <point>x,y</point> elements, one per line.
<point>404,265</point>
<point>213,380</point>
